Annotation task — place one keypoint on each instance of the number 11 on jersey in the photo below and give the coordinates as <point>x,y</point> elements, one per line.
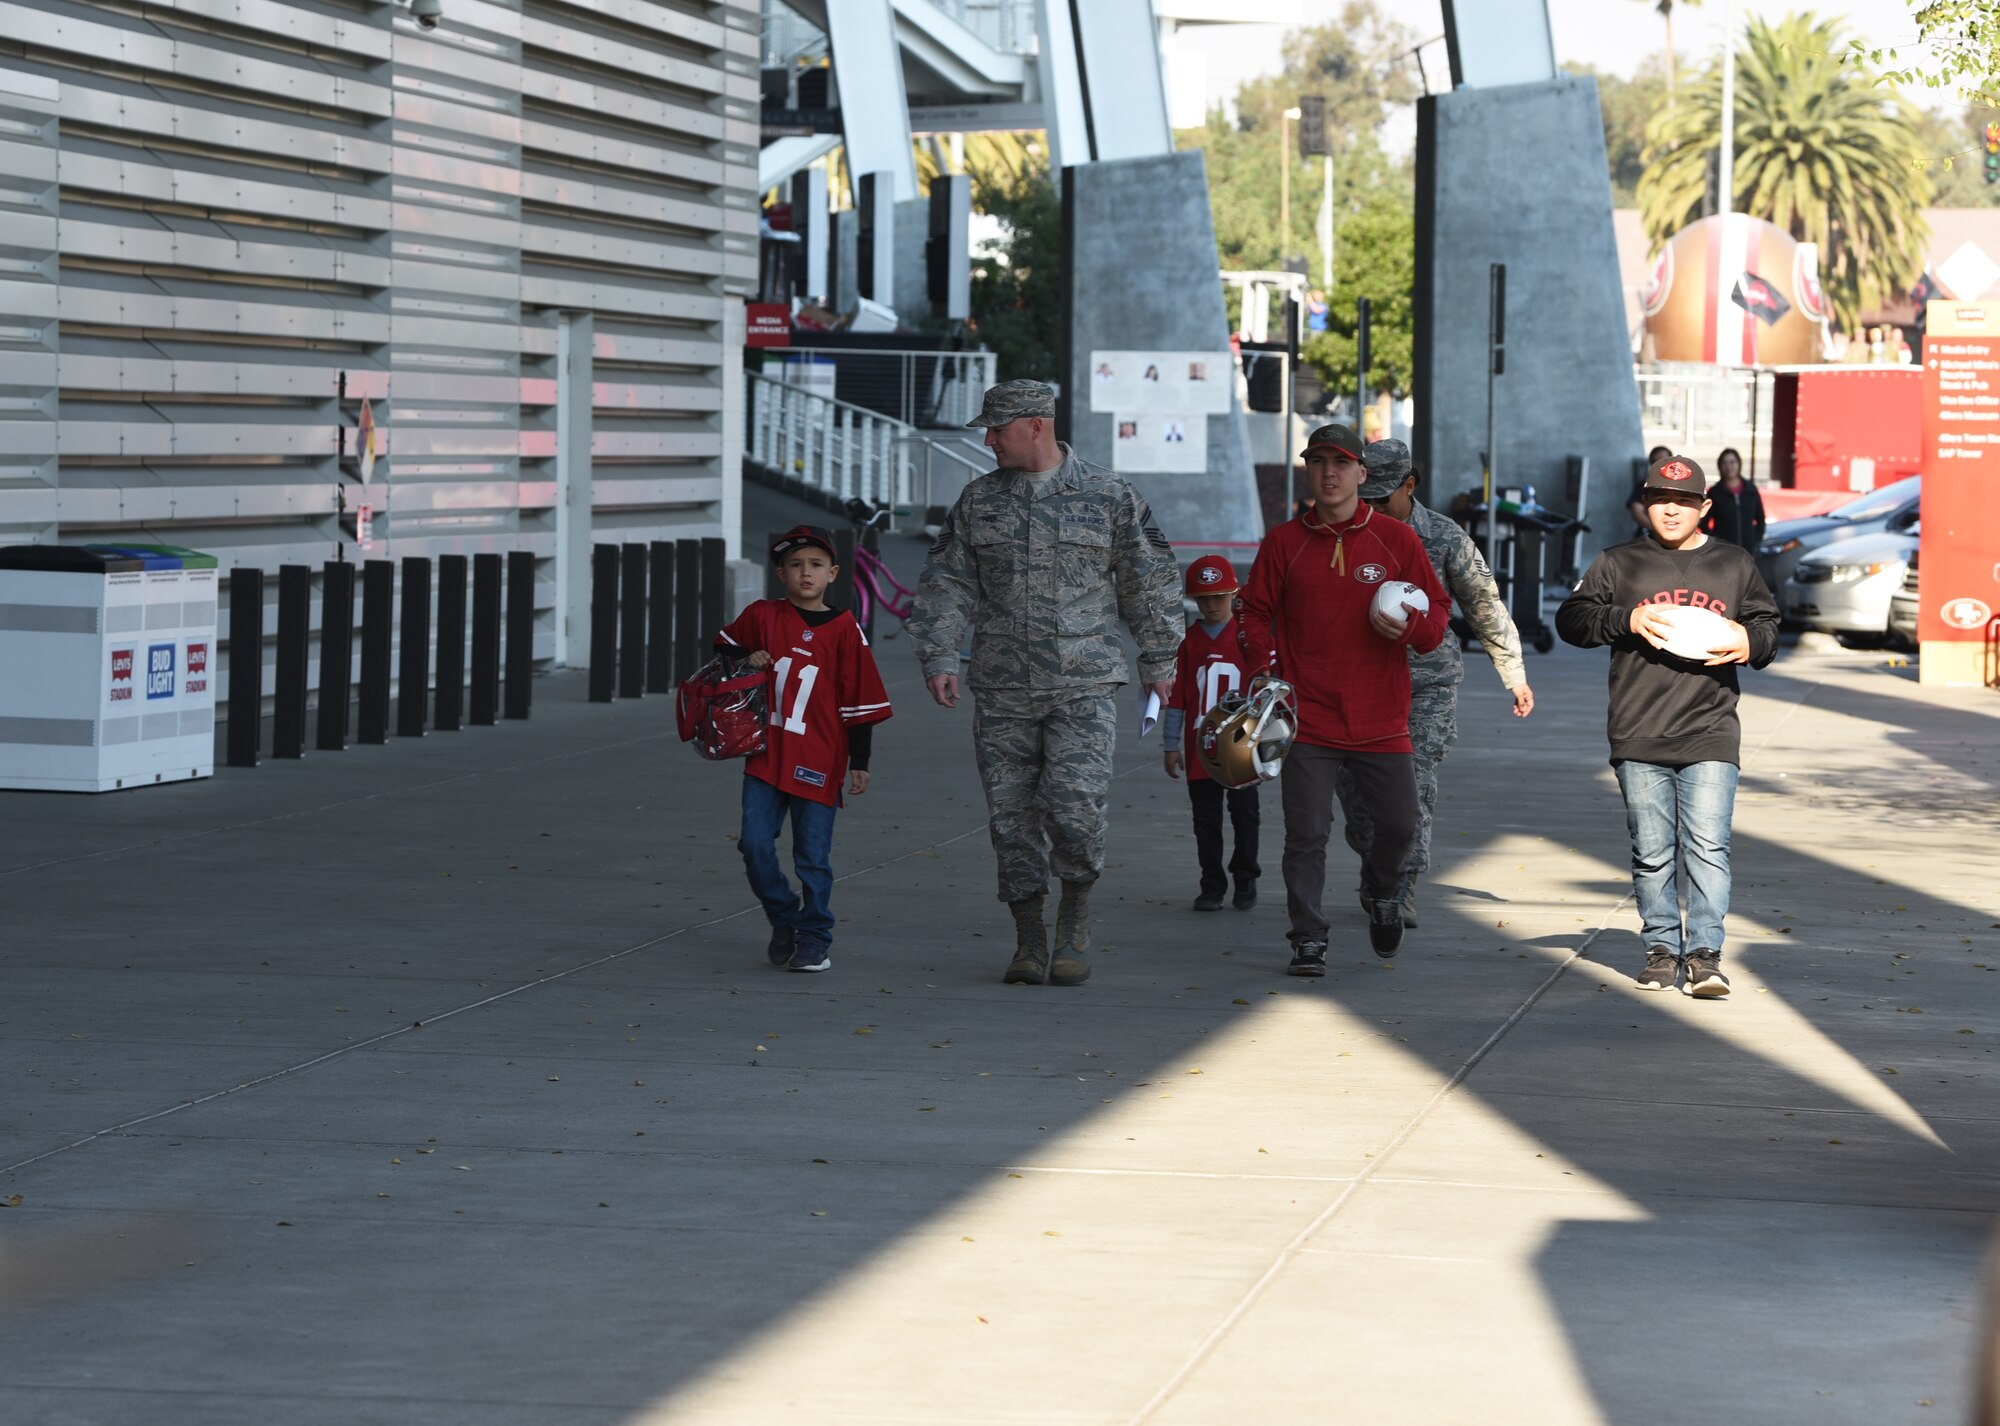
<point>781,674</point>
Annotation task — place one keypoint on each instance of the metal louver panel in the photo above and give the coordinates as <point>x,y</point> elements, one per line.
<point>224,227</point>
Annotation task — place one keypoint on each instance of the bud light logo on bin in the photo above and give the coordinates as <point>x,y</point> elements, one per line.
<point>160,671</point>
<point>121,675</point>
<point>197,669</point>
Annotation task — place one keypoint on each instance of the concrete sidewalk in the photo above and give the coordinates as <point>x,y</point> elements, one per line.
<point>445,1083</point>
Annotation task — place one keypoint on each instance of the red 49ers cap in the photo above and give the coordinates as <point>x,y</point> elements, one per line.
<point>1211,574</point>
<point>798,537</point>
<point>1680,474</point>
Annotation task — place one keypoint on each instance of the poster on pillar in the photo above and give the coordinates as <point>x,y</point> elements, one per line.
<point>1189,383</point>
<point>1166,443</point>
<point>1959,592</point>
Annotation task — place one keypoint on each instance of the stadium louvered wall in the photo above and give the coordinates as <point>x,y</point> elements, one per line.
<point>225,224</point>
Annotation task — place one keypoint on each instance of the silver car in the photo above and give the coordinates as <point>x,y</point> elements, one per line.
<point>1893,507</point>
<point>1845,587</point>
<point>1903,608</point>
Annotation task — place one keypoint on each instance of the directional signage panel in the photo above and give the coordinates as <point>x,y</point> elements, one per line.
<point>1959,563</point>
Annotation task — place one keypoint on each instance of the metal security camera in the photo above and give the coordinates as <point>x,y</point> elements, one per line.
<point>427,13</point>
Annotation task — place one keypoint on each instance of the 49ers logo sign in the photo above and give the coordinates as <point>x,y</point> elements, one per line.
<point>1371,574</point>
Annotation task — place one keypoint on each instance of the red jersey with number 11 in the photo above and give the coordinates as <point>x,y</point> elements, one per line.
<point>1205,669</point>
<point>823,682</point>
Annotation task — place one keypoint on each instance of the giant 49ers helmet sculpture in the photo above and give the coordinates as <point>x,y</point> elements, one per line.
<point>1243,740</point>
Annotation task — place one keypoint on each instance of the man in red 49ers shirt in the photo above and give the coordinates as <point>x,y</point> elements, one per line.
<point>1208,667</point>
<point>826,696</point>
<point>1307,619</point>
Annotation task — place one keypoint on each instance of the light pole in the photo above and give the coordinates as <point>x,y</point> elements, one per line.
<point>1725,162</point>
<point>1284,181</point>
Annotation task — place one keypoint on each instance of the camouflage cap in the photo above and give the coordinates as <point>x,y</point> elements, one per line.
<point>1011,400</point>
<point>1388,464</point>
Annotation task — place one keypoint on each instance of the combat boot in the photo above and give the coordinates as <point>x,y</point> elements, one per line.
<point>1030,965</point>
<point>1406,898</point>
<point>1072,936</point>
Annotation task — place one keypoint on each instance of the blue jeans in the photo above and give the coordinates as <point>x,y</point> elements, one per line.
<point>1679,819</point>
<point>764,811</point>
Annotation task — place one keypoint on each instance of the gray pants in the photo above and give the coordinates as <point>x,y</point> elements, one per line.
<point>1433,729</point>
<point>1385,783</point>
<point>1045,760</point>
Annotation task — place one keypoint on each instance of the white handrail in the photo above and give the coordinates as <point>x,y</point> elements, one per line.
<point>831,446</point>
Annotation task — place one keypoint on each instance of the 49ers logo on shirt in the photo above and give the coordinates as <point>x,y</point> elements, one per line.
<point>1371,574</point>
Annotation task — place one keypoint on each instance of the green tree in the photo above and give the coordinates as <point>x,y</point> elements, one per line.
<point>1957,47</point>
<point>1017,282</point>
<point>1628,105</point>
<point>1820,152</point>
<point>1953,145</point>
<point>1377,259</point>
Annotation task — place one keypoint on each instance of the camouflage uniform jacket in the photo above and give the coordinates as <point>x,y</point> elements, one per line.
<point>1463,570</point>
<point>1045,571</point>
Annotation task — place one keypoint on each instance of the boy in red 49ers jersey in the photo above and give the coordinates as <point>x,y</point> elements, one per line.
<point>826,697</point>
<point>1209,666</point>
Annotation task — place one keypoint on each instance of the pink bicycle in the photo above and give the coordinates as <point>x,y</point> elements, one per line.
<point>874,586</point>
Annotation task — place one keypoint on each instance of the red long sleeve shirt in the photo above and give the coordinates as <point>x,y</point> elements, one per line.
<point>1305,618</point>
<point>1204,670</point>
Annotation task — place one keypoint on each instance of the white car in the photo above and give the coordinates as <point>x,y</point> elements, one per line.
<point>1845,587</point>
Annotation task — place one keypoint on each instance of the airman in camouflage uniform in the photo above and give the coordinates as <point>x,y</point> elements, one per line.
<point>1045,557</point>
<point>1390,486</point>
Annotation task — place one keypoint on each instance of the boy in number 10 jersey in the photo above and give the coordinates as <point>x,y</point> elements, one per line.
<point>1210,665</point>
<point>826,696</point>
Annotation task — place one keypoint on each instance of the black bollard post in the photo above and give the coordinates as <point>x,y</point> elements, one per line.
<point>841,594</point>
<point>451,643</point>
<point>288,705</point>
<point>632,622</point>
<point>714,570</point>
<point>336,654</point>
<point>413,675</point>
<point>603,623</point>
<point>660,670</point>
<point>688,633</point>
<point>246,665</point>
<point>485,640</point>
<point>520,690</point>
<point>378,605</point>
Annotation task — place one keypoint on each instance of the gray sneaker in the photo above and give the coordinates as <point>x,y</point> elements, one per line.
<point>1308,958</point>
<point>1705,980</point>
<point>1663,969</point>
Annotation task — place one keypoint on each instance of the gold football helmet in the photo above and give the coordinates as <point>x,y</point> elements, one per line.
<point>1244,739</point>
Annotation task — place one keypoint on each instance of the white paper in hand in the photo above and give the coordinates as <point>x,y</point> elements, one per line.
<point>1149,710</point>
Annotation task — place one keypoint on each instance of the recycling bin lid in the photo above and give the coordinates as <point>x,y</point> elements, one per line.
<point>190,559</point>
<point>147,558</point>
<point>68,559</point>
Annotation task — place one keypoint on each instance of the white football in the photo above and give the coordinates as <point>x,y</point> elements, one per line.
<point>1393,595</point>
<point>1696,631</point>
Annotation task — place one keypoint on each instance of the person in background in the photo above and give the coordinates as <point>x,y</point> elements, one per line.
<point>1635,503</point>
<point>1735,509</point>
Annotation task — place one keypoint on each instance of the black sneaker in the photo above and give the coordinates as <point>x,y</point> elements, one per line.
<point>1705,980</point>
<point>1308,958</point>
<point>1663,969</point>
<point>780,949</point>
<point>808,954</point>
<point>1246,893</point>
<point>1209,900</point>
<point>1385,927</point>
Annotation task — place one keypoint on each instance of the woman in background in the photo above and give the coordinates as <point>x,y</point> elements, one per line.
<point>1736,510</point>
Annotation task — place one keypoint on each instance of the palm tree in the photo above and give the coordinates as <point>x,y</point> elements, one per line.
<point>1666,11</point>
<point>1820,151</point>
